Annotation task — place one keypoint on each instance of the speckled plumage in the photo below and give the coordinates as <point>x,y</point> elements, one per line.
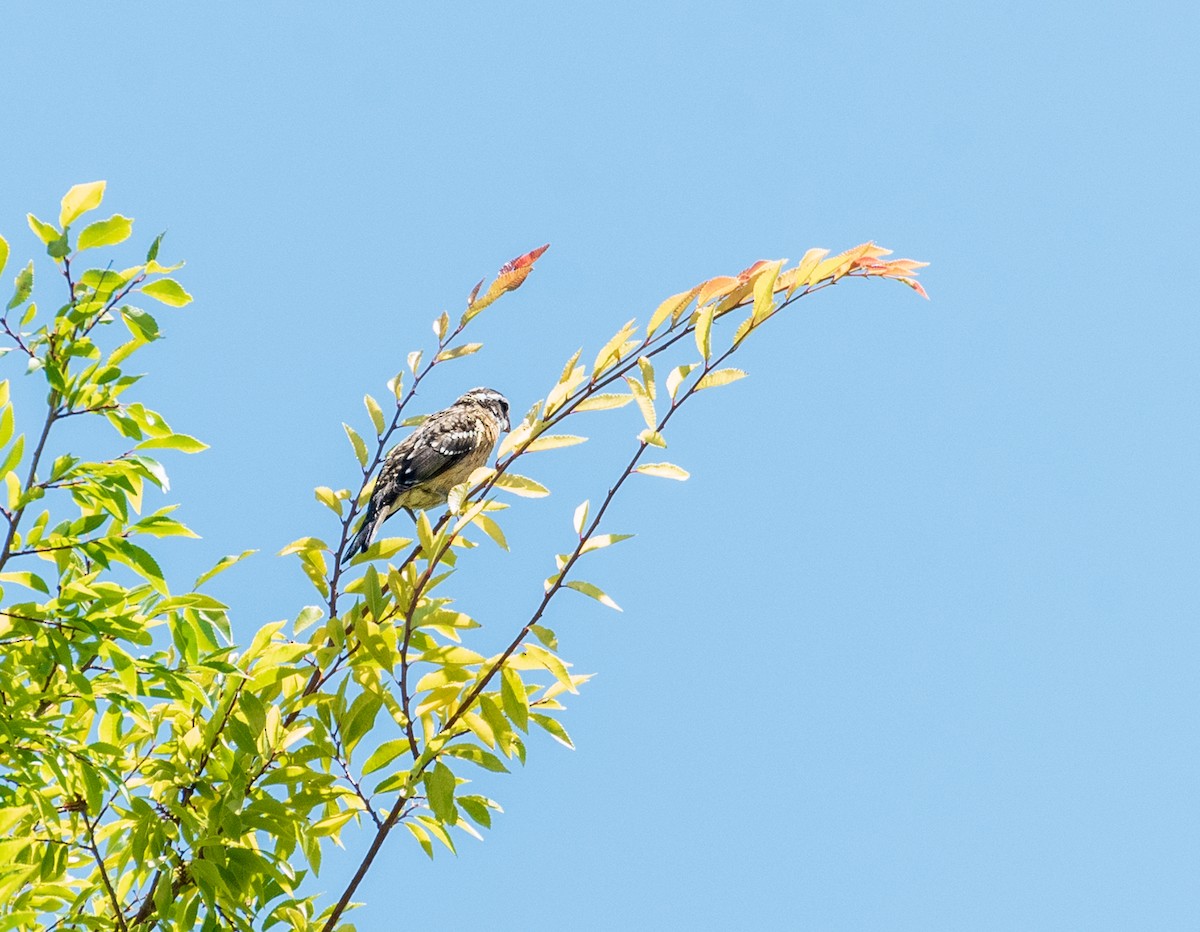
<point>420,471</point>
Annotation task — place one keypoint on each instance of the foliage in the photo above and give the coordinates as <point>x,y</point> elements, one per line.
<point>153,774</point>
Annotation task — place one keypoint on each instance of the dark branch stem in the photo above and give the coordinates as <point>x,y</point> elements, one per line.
<point>15,519</point>
<point>118,913</point>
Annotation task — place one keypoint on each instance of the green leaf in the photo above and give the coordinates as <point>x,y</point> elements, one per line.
<point>595,592</point>
<point>719,377</point>
<point>59,248</point>
<point>385,754</point>
<point>139,560</point>
<point>663,471</point>
<point>141,325</point>
<point>581,516</point>
<point>521,485</point>
<point>439,788</point>
<point>477,755</point>
<point>554,727</point>
<point>181,442</point>
<point>653,438</point>
<point>116,229</point>
<point>24,285</point>
<point>152,252</point>
<point>3,253</point>
<point>514,697</point>
<point>477,809</point>
<point>545,635</point>
<point>26,579</point>
<point>221,565</point>
<point>166,290</point>
<point>79,200</point>
<point>360,447</point>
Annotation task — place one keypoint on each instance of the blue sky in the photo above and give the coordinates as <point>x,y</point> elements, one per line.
<point>916,647</point>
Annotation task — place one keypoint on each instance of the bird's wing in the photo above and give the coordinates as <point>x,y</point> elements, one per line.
<point>435,446</point>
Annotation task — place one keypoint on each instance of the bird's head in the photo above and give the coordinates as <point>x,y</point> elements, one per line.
<point>492,401</point>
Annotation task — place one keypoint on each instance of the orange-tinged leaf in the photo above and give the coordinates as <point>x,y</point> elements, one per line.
<point>525,261</point>
<point>715,288</point>
<point>510,277</point>
<point>837,266</point>
<point>745,274</point>
<point>915,286</point>
<point>748,282</point>
<point>903,266</point>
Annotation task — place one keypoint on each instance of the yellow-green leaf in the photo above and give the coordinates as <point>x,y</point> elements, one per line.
<point>182,442</point>
<point>663,471</point>
<point>24,285</point>
<point>360,447</point>
<point>611,351</point>
<point>672,307</point>
<point>79,200</point>
<point>764,291</point>
<point>168,291</point>
<point>116,229</point>
<point>551,661</point>
<point>221,565</point>
<point>554,727</point>
<point>703,332</point>
<point>521,485</point>
<point>3,253</point>
<point>466,349</point>
<point>603,401</point>
<point>491,529</point>
<point>376,413</point>
<point>581,516</point>
<point>46,232</point>
<point>644,401</point>
<point>554,441</point>
<point>676,377</point>
<point>599,541</point>
<point>596,593</point>
<point>720,377</point>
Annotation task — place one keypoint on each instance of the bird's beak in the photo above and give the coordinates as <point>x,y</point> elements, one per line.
<point>507,425</point>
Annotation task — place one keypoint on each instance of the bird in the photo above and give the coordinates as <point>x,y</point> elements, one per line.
<point>443,451</point>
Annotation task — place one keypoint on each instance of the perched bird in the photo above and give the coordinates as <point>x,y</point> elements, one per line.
<point>420,471</point>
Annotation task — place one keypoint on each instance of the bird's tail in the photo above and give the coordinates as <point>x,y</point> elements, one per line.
<point>362,540</point>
